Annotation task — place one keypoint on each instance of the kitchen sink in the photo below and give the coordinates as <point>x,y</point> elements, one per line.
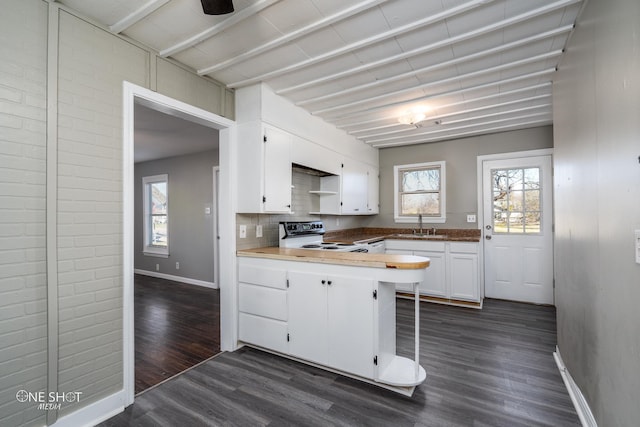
<point>422,236</point>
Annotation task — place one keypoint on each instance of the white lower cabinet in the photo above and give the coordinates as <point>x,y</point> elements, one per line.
<point>453,272</point>
<point>464,278</point>
<point>262,304</point>
<point>331,321</point>
<point>435,283</point>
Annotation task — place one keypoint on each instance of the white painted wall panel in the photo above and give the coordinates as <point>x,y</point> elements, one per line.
<point>23,307</point>
<point>92,66</point>
<point>597,204</point>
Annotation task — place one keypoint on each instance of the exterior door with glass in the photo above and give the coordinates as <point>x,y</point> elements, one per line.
<point>518,229</point>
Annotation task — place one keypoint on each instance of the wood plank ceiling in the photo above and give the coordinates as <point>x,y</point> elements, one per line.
<point>446,68</point>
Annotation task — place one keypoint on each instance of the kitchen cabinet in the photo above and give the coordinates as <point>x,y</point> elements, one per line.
<point>453,272</point>
<point>462,261</point>
<point>331,321</point>
<point>262,306</point>
<point>355,182</point>
<point>264,172</point>
<point>353,192</point>
<point>373,190</point>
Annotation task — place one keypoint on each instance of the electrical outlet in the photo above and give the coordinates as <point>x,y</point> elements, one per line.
<point>243,231</point>
<point>258,231</point>
<point>471,218</point>
<point>177,265</point>
<point>157,267</point>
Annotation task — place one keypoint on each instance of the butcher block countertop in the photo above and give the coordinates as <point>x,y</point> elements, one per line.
<point>402,262</point>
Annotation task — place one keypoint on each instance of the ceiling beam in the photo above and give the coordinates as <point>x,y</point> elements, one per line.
<point>523,125</point>
<point>396,124</point>
<point>314,26</point>
<point>448,129</point>
<point>538,86</point>
<point>460,77</point>
<point>404,103</point>
<point>363,43</point>
<point>218,28</point>
<point>141,13</point>
<point>440,65</point>
<point>408,129</point>
<point>440,44</point>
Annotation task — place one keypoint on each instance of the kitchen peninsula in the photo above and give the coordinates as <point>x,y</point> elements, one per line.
<point>334,310</point>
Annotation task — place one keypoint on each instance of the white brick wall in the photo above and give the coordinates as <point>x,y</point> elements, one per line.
<point>23,327</point>
<point>93,65</point>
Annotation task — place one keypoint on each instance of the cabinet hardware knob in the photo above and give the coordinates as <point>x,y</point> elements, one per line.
<point>329,282</point>
<point>323,282</point>
<point>488,237</point>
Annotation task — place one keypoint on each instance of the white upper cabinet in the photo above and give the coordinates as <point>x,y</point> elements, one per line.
<point>373,190</point>
<point>264,173</point>
<point>355,188</point>
<point>296,137</point>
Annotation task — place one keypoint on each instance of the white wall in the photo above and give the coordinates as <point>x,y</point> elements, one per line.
<point>597,201</point>
<point>23,292</point>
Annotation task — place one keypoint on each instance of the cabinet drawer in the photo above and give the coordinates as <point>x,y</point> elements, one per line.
<point>463,248</point>
<point>415,245</point>
<point>262,276</point>
<point>263,301</point>
<point>267,333</point>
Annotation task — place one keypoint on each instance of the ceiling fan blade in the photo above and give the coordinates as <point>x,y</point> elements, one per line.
<point>217,7</point>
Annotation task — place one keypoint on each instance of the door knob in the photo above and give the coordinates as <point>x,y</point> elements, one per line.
<point>488,237</point>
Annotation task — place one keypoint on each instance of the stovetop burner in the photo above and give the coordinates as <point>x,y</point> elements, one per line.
<point>310,246</point>
<point>330,247</point>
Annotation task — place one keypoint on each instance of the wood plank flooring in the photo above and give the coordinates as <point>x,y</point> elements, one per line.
<point>176,327</point>
<point>490,367</point>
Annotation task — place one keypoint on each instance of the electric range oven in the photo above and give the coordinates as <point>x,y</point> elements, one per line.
<point>309,235</point>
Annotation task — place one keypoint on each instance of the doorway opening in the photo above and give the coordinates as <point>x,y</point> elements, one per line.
<point>186,190</point>
<point>176,300</point>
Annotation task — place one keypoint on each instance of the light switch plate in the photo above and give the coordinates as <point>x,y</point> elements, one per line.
<point>258,231</point>
<point>471,218</point>
<point>243,231</point>
<point>637,246</point>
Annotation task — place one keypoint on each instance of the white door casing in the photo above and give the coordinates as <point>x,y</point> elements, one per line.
<point>518,258</point>
<point>227,201</point>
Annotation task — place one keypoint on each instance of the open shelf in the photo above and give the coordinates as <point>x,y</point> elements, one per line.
<point>402,372</point>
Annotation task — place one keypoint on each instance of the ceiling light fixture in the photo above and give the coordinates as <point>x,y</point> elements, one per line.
<point>414,116</point>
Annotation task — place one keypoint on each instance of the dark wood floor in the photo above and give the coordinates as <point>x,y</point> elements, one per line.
<point>492,367</point>
<point>176,327</point>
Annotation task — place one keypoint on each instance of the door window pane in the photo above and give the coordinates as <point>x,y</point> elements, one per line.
<point>516,200</point>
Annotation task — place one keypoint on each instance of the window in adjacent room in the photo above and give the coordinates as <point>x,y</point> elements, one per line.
<point>156,215</point>
<point>420,189</point>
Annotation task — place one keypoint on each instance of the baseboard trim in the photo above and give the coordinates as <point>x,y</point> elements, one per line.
<point>579,402</point>
<point>94,413</point>
<point>180,279</point>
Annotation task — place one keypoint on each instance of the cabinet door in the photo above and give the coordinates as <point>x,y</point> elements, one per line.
<point>463,276</point>
<point>373,199</point>
<point>350,320</point>
<point>435,283</point>
<point>308,316</point>
<point>277,171</point>
<point>354,188</point>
